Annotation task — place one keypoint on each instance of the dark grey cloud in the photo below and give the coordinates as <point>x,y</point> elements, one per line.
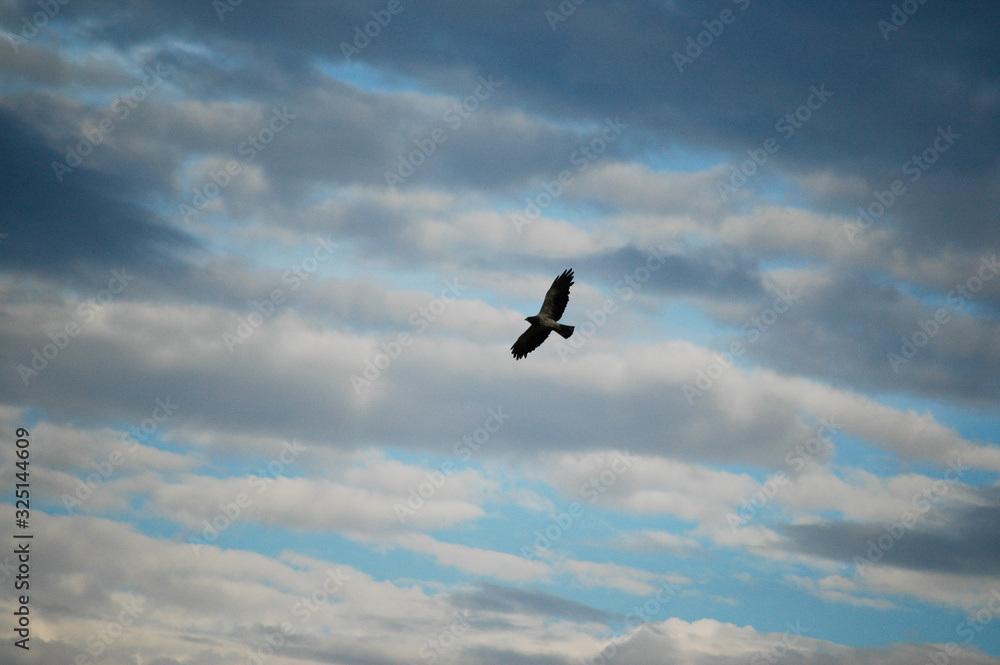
<point>507,600</point>
<point>79,229</point>
<point>715,271</point>
<point>854,330</point>
<point>890,95</point>
<point>960,541</point>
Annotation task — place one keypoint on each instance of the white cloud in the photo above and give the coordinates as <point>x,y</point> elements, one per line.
<point>477,561</point>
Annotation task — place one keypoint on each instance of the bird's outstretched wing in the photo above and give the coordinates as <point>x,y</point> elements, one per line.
<point>557,297</point>
<point>529,340</point>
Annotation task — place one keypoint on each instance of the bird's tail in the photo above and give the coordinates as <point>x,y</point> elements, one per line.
<point>565,331</point>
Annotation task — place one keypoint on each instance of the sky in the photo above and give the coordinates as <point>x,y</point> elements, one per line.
<point>261,265</point>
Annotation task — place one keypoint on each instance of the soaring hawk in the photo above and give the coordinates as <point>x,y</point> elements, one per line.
<point>547,318</point>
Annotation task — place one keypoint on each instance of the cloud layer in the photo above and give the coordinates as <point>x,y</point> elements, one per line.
<point>261,267</point>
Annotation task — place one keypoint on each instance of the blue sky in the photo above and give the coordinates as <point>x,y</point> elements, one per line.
<point>260,273</point>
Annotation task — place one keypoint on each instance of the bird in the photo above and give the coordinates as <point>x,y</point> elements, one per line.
<point>547,318</point>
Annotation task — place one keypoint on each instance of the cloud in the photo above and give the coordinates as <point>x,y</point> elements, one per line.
<point>506,600</point>
<point>42,217</point>
<point>333,335</point>
<point>477,561</point>
<point>961,540</point>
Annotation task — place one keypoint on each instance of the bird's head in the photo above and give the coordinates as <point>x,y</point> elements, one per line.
<point>533,320</point>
